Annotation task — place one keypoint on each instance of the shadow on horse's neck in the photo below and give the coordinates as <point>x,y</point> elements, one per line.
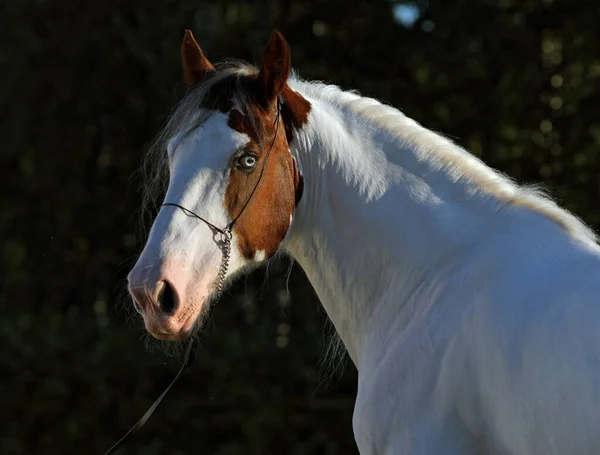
<point>375,220</point>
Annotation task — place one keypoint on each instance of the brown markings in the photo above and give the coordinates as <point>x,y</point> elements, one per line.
<point>266,219</point>
<point>294,114</point>
<point>294,111</point>
<point>195,65</point>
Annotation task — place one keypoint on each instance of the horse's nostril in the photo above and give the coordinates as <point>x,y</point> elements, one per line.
<point>166,298</point>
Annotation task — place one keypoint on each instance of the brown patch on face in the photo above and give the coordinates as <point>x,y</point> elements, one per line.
<point>266,219</point>
<point>262,224</point>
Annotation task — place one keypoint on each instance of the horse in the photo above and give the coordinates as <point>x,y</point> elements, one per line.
<point>468,303</point>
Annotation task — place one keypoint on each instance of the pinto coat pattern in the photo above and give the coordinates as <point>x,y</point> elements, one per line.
<point>468,304</point>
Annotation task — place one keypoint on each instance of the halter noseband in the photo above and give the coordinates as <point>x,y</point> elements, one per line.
<point>225,246</point>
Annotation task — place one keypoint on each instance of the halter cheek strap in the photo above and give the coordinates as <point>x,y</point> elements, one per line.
<point>225,245</point>
<point>190,354</point>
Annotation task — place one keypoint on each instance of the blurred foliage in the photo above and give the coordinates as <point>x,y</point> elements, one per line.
<point>85,86</point>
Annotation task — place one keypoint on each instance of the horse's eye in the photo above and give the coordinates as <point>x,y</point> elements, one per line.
<point>247,162</point>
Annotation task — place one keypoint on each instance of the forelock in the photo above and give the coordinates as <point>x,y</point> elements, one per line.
<point>228,86</point>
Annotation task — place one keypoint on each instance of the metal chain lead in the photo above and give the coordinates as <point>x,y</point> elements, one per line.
<point>226,249</point>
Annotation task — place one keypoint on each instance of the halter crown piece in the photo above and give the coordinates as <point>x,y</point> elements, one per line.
<point>224,244</point>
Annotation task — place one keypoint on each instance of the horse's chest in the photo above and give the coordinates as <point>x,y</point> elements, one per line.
<point>404,391</point>
<point>390,401</point>
<point>371,421</point>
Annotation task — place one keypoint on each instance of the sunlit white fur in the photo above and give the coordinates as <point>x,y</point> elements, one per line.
<point>468,304</point>
<point>259,256</point>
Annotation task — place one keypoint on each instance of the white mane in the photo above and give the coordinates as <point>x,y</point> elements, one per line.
<point>444,155</point>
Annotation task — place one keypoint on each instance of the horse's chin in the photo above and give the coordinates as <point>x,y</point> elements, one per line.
<point>176,326</point>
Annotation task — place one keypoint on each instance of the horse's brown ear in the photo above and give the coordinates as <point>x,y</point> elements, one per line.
<point>274,69</point>
<point>195,64</point>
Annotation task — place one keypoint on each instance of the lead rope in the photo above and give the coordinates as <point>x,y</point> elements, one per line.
<point>225,246</point>
<point>190,354</point>
<point>187,362</point>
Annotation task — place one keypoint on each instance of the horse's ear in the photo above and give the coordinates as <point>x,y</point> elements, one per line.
<point>195,64</point>
<point>274,69</point>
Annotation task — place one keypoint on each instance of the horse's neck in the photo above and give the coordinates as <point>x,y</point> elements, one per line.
<point>374,220</point>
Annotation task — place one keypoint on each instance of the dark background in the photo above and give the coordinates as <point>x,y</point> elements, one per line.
<point>84,86</point>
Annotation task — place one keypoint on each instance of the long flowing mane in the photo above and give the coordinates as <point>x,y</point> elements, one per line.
<point>441,153</point>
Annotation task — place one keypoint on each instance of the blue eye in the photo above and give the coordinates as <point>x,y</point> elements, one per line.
<point>247,161</point>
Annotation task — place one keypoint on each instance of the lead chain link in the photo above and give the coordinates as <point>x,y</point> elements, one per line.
<point>226,249</point>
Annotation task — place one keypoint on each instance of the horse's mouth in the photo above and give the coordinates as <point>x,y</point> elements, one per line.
<point>174,327</point>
